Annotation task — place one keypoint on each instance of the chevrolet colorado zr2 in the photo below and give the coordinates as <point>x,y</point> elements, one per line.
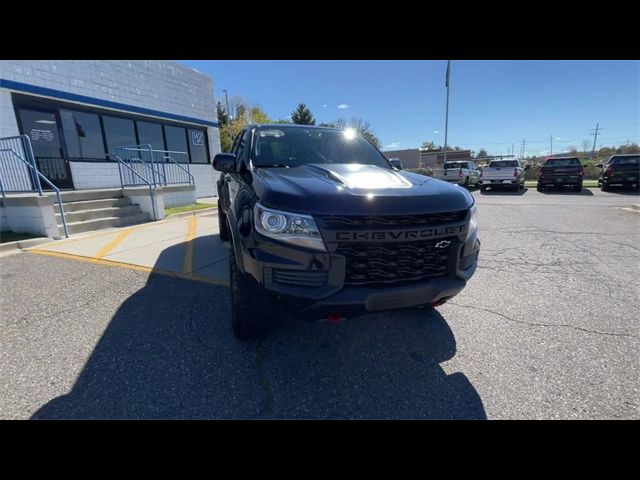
<point>320,222</point>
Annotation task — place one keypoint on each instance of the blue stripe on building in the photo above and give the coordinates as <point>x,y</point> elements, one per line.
<point>50,92</point>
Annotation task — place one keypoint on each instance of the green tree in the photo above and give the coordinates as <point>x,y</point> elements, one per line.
<point>223,116</point>
<point>482,153</point>
<point>430,146</point>
<point>361,126</point>
<point>243,115</point>
<point>302,115</point>
<point>258,115</point>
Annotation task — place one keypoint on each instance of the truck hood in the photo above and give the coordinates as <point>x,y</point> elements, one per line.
<point>355,189</point>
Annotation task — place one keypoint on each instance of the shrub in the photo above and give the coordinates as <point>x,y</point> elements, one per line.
<point>421,171</point>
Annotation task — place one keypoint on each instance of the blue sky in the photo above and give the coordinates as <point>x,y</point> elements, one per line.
<point>492,105</point>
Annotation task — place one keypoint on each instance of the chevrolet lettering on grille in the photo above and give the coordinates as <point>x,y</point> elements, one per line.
<point>395,235</point>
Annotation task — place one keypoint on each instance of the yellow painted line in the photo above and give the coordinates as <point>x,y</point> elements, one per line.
<point>114,243</point>
<point>144,226</point>
<point>131,266</point>
<point>187,265</point>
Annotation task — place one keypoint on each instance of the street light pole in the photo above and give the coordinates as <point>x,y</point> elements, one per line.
<point>226,96</point>
<point>446,118</point>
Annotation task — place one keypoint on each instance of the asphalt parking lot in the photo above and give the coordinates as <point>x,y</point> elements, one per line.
<point>546,329</point>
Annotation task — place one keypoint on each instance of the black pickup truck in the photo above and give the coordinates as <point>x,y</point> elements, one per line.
<point>319,221</point>
<point>620,170</point>
<point>561,172</point>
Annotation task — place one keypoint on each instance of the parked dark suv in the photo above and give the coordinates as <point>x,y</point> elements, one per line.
<point>620,170</point>
<point>320,222</point>
<point>561,172</point>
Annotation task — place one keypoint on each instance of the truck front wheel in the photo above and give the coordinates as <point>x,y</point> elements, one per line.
<point>223,227</point>
<point>252,307</point>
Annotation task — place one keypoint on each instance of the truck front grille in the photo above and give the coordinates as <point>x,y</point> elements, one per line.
<point>381,265</point>
<point>385,221</point>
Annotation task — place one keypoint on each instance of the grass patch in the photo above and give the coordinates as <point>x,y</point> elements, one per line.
<point>186,208</point>
<point>6,237</point>
<point>585,183</point>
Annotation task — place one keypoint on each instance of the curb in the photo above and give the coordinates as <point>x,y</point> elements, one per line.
<point>202,211</point>
<point>8,246</point>
<point>21,244</point>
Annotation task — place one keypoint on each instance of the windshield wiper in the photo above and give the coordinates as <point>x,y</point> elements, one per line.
<point>275,165</point>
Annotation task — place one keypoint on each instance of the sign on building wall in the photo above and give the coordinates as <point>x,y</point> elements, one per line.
<point>197,138</point>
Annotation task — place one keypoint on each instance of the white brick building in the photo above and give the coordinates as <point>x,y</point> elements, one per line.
<point>77,112</point>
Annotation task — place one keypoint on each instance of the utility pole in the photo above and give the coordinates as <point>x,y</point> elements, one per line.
<point>523,142</point>
<point>551,145</point>
<point>594,140</point>
<point>446,118</point>
<point>513,149</point>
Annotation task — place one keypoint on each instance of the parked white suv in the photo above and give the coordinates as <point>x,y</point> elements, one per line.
<point>504,174</point>
<point>461,172</point>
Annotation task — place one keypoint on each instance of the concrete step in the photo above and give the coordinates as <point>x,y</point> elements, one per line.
<point>107,222</point>
<point>80,195</point>
<point>92,204</point>
<point>95,214</point>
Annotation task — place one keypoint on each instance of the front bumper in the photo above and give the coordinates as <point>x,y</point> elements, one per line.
<point>311,283</point>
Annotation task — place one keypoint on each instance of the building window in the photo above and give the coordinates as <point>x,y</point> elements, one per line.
<point>150,134</point>
<point>198,145</point>
<point>82,135</point>
<point>119,132</point>
<point>177,142</point>
<point>42,129</point>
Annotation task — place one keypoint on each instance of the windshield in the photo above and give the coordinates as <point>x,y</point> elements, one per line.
<point>503,163</point>
<point>455,165</point>
<point>284,146</point>
<point>562,162</point>
<point>625,160</point>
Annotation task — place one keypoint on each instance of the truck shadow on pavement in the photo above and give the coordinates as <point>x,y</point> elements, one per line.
<point>504,192</point>
<point>585,192</point>
<point>169,352</point>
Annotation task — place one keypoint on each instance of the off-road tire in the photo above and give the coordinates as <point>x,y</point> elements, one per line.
<point>252,307</point>
<point>223,226</point>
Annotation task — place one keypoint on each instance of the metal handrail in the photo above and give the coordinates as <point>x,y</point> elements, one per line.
<point>192,180</point>
<point>140,148</point>
<point>154,164</point>
<point>42,177</point>
<point>151,195</point>
<point>25,142</point>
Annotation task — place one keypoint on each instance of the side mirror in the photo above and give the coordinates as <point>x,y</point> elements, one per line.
<point>224,162</point>
<point>396,163</point>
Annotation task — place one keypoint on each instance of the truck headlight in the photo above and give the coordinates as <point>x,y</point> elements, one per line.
<point>288,227</point>
<point>473,223</point>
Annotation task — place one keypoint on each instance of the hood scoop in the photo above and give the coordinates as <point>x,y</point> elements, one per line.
<point>359,176</point>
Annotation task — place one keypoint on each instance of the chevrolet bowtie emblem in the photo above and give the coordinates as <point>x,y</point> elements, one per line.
<point>443,244</point>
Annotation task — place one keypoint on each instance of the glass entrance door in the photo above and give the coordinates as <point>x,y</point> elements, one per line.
<point>42,127</point>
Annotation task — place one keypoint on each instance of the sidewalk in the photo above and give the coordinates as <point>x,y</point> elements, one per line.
<point>187,247</point>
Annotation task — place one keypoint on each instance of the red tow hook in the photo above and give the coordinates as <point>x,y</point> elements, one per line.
<point>334,317</point>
